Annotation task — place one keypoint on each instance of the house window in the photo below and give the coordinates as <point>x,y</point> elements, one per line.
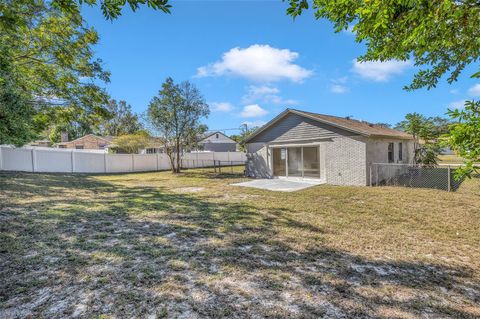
<point>62,146</point>
<point>216,135</point>
<point>400,151</point>
<point>101,146</point>
<point>391,155</point>
<point>79,147</point>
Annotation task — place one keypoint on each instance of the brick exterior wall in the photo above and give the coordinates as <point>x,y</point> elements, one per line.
<point>345,161</point>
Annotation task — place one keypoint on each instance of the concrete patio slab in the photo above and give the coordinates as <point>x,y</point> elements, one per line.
<point>280,185</point>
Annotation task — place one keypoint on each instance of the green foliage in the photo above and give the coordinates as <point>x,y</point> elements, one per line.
<point>47,61</point>
<point>131,143</point>
<point>464,136</point>
<point>175,115</point>
<point>244,134</point>
<point>122,120</point>
<point>440,36</point>
<point>16,114</point>
<point>425,137</point>
<point>112,9</point>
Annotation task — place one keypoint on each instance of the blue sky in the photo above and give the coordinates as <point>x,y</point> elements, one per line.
<point>251,61</point>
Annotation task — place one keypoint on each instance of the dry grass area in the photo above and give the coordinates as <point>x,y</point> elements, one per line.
<point>155,245</point>
<point>450,159</point>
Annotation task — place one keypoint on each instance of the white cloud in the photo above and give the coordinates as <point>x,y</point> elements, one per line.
<point>338,86</point>
<point>261,63</point>
<point>253,110</point>
<point>221,106</point>
<point>339,89</point>
<point>380,71</point>
<point>474,90</point>
<point>266,94</point>
<point>257,91</point>
<point>252,124</point>
<point>457,104</point>
<point>454,91</point>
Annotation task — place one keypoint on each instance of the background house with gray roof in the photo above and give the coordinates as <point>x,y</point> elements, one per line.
<point>216,142</point>
<point>335,150</point>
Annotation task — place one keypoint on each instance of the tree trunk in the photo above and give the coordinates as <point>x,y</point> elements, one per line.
<point>172,162</point>
<point>178,155</point>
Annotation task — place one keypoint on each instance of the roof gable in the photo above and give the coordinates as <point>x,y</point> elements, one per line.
<point>207,135</point>
<point>350,125</point>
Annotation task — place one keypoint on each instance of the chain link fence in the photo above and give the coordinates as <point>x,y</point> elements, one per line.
<point>235,168</point>
<point>409,175</point>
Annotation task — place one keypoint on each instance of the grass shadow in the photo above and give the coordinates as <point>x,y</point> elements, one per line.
<point>77,246</point>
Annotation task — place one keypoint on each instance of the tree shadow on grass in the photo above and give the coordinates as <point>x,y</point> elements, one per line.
<point>76,246</point>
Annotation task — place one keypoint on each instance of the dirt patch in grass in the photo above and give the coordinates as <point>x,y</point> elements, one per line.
<point>188,189</point>
<point>133,245</point>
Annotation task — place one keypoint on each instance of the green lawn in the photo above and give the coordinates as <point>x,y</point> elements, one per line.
<point>192,246</point>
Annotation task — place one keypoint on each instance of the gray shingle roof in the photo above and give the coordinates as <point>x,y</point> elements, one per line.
<point>356,126</point>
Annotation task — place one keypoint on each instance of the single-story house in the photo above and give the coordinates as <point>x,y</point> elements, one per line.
<point>216,142</point>
<point>89,141</point>
<point>156,146</point>
<point>335,150</point>
<point>40,143</point>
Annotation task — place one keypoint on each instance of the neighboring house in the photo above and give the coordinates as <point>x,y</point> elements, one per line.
<point>335,150</point>
<point>40,143</point>
<point>216,142</point>
<point>156,146</point>
<point>89,141</point>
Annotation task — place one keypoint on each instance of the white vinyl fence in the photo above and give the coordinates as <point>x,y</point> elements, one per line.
<point>83,161</point>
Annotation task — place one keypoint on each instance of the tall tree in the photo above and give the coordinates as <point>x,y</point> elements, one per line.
<point>47,64</point>
<point>122,121</point>
<point>425,138</point>
<point>175,115</point>
<point>440,37</point>
<point>465,136</point>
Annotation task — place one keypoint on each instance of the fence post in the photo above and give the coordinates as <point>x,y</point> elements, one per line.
<point>376,173</point>
<point>157,160</point>
<point>105,162</point>
<point>71,161</point>
<point>449,177</point>
<point>1,159</point>
<point>33,160</point>
<point>133,163</point>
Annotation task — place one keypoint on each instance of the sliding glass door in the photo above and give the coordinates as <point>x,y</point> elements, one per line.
<point>311,162</point>
<point>296,162</point>
<point>279,162</point>
<point>294,156</point>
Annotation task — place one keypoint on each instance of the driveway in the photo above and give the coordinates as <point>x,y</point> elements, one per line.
<point>280,185</point>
